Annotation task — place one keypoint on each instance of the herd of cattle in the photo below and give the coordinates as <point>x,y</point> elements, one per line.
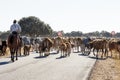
<point>66,45</point>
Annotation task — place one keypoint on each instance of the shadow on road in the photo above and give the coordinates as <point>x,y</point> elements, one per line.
<point>97,58</point>
<point>76,52</point>
<point>60,57</point>
<point>93,57</point>
<point>22,56</point>
<point>38,57</point>
<point>82,55</point>
<point>53,53</point>
<point>5,62</point>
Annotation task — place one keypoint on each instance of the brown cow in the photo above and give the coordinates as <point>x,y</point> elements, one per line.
<point>68,48</point>
<point>114,45</point>
<point>100,45</point>
<point>63,49</point>
<point>45,46</point>
<point>57,41</point>
<point>26,49</point>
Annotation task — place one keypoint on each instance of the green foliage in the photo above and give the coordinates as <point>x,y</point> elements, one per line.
<point>105,33</point>
<point>34,26</point>
<point>4,35</point>
<point>74,33</point>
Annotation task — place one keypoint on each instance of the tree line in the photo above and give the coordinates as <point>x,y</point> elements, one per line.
<point>33,26</point>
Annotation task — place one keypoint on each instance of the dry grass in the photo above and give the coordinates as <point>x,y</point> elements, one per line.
<point>108,69</point>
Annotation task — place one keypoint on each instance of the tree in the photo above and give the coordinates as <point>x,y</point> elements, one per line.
<point>34,26</point>
<point>105,34</point>
<point>4,35</point>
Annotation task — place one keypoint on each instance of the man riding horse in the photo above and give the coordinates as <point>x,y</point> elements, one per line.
<point>15,28</point>
<point>14,39</point>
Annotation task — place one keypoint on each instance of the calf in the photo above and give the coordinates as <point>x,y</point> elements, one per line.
<point>26,49</point>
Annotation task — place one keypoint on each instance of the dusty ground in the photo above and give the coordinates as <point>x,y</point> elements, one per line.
<point>106,69</point>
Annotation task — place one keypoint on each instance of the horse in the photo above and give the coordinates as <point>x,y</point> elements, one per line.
<point>13,44</point>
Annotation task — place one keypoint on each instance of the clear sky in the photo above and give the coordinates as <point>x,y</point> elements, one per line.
<point>66,15</point>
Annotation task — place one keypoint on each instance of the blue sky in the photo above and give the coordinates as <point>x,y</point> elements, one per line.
<point>66,15</point>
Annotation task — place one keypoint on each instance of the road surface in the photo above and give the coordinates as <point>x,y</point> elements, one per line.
<point>33,67</point>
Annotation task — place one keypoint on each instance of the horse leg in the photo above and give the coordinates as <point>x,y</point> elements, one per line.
<point>16,55</point>
<point>12,56</point>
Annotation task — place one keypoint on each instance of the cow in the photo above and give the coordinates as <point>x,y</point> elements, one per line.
<point>77,43</point>
<point>37,41</point>
<point>26,46</point>
<point>114,45</point>
<point>85,46</point>
<point>3,47</point>
<point>63,49</point>
<point>45,46</point>
<point>99,45</point>
<point>69,46</point>
<point>20,46</point>
<point>57,41</point>
<point>26,49</point>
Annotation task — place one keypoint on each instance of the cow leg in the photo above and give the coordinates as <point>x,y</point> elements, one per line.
<point>97,54</point>
<point>119,55</point>
<point>28,52</point>
<point>102,53</point>
<point>111,52</point>
<point>116,52</point>
<point>57,51</point>
<point>77,48</point>
<point>19,51</point>
<point>89,51</point>
<point>62,53</point>
<point>40,53</point>
<point>106,52</point>
<point>93,52</point>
